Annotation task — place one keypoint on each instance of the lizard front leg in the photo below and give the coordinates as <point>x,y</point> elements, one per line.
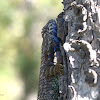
<point>53,70</point>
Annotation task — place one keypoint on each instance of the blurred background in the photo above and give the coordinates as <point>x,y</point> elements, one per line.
<point>21,22</point>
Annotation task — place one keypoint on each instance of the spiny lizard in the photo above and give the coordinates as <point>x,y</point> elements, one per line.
<point>48,81</point>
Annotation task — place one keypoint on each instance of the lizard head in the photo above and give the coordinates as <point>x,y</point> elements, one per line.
<point>50,27</point>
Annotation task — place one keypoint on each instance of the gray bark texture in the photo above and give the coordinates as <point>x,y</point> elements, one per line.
<point>79,32</point>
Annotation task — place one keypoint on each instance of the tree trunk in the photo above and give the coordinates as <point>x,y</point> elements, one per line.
<point>79,32</point>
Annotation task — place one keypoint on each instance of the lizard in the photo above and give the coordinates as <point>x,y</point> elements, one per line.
<point>48,80</point>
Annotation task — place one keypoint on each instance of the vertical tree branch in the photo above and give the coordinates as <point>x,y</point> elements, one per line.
<point>79,33</point>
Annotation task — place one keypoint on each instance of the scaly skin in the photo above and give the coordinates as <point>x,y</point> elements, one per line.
<point>48,81</point>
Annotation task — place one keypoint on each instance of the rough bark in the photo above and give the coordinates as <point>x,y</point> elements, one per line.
<point>79,32</point>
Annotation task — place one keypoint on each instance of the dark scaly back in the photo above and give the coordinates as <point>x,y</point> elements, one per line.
<point>48,86</point>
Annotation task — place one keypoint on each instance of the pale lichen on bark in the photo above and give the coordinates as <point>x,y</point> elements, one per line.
<point>81,26</point>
